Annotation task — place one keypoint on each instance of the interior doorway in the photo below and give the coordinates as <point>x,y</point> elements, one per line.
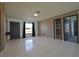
<point>71,28</point>
<point>58,29</point>
<point>14,30</point>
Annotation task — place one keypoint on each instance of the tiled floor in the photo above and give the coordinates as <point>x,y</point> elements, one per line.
<point>40,47</point>
<point>73,39</point>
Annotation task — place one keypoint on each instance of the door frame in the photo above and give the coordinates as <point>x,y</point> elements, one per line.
<point>54,24</point>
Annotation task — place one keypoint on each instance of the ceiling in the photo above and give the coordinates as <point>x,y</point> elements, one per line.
<point>25,10</point>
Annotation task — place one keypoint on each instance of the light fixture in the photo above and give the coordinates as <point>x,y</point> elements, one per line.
<point>36,13</point>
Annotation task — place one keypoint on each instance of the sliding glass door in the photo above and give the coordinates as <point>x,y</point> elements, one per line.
<point>71,28</point>
<point>28,29</point>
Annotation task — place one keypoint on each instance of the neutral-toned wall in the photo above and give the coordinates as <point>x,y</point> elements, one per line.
<point>0,30</point>
<point>14,20</point>
<point>2,27</point>
<point>46,26</point>
<point>36,28</point>
<point>21,26</point>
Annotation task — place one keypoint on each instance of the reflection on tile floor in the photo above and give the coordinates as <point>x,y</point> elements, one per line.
<point>40,47</point>
<point>28,44</point>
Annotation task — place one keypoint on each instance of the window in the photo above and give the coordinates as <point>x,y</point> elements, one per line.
<point>28,28</point>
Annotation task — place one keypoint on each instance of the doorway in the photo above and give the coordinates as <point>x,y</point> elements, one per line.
<point>71,28</point>
<point>14,30</point>
<point>58,29</point>
<point>29,30</point>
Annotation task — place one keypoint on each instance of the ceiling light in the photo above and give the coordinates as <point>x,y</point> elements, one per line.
<point>35,14</point>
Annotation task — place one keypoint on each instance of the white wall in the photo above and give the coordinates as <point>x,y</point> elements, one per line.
<point>21,26</point>
<point>15,20</point>
<point>36,28</point>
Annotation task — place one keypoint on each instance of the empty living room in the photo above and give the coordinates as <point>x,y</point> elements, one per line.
<point>39,29</point>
